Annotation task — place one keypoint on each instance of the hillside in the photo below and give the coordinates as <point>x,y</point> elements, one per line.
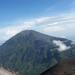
<point>30,52</point>
<point>66,67</point>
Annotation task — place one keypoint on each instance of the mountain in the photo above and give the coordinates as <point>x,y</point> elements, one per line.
<point>30,52</point>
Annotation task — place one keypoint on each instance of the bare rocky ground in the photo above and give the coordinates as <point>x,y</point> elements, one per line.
<point>63,68</point>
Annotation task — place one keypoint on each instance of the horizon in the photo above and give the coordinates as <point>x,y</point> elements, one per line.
<point>51,17</point>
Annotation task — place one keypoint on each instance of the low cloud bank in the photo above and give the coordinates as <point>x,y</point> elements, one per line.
<point>61,45</point>
<point>6,72</point>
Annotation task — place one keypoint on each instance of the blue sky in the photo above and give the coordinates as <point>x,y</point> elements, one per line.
<point>14,10</point>
<point>41,15</point>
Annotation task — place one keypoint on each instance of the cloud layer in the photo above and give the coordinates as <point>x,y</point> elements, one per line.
<point>6,72</point>
<point>56,25</point>
<point>61,45</point>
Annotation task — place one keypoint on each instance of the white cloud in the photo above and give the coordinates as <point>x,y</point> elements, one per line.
<point>61,26</point>
<point>12,30</point>
<point>8,32</point>
<point>6,72</point>
<point>61,45</point>
<point>57,24</point>
<point>53,29</point>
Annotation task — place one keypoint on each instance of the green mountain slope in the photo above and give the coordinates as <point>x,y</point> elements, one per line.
<point>29,52</point>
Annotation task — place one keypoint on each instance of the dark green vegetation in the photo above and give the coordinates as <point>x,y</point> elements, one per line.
<point>30,52</point>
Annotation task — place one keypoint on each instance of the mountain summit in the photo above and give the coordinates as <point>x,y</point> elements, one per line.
<point>30,52</point>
